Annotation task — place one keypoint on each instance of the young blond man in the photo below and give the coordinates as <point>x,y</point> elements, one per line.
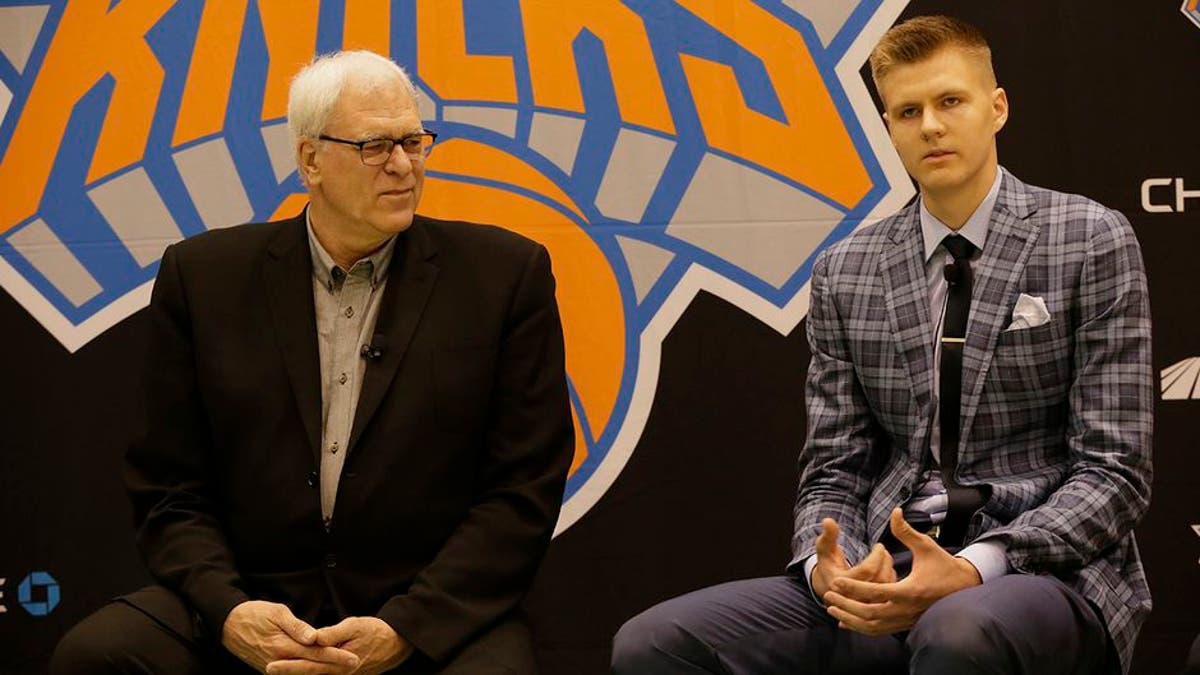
<point>979,423</point>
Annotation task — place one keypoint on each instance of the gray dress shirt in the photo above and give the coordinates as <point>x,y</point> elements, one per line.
<point>347,305</point>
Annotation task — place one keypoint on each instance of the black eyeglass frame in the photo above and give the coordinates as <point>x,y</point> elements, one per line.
<point>393,142</point>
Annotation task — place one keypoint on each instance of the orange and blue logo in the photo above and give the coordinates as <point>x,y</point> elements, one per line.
<point>1191,9</point>
<point>656,147</point>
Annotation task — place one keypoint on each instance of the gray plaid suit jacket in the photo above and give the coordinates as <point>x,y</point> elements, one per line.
<point>1056,418</point>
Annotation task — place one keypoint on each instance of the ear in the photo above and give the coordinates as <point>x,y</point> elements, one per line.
<point>306,161</point>
<point>999,108</point>
<point>887,121</point>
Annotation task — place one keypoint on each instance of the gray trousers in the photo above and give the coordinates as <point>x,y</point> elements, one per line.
<point>773,626</point>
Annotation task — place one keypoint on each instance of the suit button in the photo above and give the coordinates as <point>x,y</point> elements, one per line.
<point>330,560</point>
<point>312,479</point>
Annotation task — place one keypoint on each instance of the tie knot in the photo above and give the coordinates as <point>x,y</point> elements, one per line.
<point>958,246</point>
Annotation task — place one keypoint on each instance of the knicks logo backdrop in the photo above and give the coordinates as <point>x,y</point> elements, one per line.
<point>1191,9</point>
<point>655,147</point>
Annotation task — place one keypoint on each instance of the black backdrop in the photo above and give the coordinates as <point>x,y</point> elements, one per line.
<point>1104,95</point>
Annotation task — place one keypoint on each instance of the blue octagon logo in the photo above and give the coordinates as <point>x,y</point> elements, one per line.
<point>42,585</point>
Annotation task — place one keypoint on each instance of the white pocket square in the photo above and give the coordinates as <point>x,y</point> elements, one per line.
<point>1030,312</point>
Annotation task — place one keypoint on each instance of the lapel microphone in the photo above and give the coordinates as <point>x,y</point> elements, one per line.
<point>952,273</point>
<point>373,350</point>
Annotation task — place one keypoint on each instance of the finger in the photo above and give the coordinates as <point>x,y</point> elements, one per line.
<point>296,667</point>
<point>332,656</point>
<point>329,656</point>
<point>888,574</point>
<point>293,627</point>
<point>885,619</point>
<point>908,536</point>
<point>849,621</point>
<point>303,666</point>
<point>336,634</point>
<point>827,541</point>
<point>872,567</point>
<point>865,591</point>
<point>867,611</point>
<point>885,566</point>
<point>865,570</point>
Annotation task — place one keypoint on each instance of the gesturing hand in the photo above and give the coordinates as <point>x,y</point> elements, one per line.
<point>372,640</point>
<point>831,562</point>
<point>875,608</point>
<point>259,632</point>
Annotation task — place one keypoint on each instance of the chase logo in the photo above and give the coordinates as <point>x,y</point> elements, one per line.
<point>656,148</point>
<point>38,593</point>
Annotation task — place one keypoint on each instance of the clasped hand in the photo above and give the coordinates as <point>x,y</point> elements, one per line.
<point>868,598</point>
<point>270,638</point>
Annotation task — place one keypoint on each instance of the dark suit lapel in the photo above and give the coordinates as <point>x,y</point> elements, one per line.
<point>907,295</point>
<point>410,281</point>
<point>1011,237</point>
<point>287,276</point>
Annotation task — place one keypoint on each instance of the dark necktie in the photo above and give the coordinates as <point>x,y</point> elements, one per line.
<point>963,501</point>
<point>954,335</point>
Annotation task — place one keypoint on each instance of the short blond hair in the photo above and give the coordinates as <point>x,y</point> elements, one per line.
<point>921,37</point>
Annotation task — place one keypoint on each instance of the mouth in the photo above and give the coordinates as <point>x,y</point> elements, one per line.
<point>398,192</point>
<point>936,155</point>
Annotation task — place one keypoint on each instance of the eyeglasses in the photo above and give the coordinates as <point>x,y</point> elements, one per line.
<point>376,151</point>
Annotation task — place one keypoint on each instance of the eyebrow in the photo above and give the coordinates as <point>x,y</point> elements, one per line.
<point>960,93</point>
<point>378,137</point>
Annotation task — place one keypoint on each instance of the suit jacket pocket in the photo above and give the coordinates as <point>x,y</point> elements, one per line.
<point>462,387</point>
<point>1032,361</point>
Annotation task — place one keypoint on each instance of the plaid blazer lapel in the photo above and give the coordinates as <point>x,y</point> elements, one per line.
<point>1011,238</point>
<point>907,296</point>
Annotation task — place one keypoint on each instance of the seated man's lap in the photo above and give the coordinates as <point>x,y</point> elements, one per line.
<point>153,630</point>
<point>1028,623</point>
<point>774,624</point>
<point>503,649</point>
<point>766,625</point>
<point>150,630</point>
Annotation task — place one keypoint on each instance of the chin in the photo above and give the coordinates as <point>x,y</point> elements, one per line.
<point>939,180</point>
<point>394,223</point>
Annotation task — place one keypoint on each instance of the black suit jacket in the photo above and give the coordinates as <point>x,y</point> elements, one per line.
<point>459,451</point>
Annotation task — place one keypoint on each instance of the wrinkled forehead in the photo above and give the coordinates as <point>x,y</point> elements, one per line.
<point>375,99</point>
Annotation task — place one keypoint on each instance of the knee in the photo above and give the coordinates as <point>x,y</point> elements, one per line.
<point>956,637</point>
<point>117,639</point>
<point>650,643</point>
<point>87,648</point>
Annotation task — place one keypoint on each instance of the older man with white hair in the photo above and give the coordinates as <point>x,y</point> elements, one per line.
<point>358,423</point>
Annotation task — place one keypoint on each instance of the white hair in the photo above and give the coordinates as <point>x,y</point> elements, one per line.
<point>316,89</point>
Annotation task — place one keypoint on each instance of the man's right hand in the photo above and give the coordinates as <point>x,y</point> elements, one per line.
<point>878,566</point>
<point>260,632</point>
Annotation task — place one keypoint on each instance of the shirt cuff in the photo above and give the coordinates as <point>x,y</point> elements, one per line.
<point>988,557</point>
<point>810,564</point>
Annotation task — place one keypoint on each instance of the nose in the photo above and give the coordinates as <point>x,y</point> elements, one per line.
<point>398,162</point>
<point>931,124</point>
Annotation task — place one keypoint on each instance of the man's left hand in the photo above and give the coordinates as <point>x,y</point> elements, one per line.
<point>377,646</point>
<point>884,608</point>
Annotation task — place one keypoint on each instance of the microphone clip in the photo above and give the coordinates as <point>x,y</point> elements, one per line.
<point>952,273</point>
